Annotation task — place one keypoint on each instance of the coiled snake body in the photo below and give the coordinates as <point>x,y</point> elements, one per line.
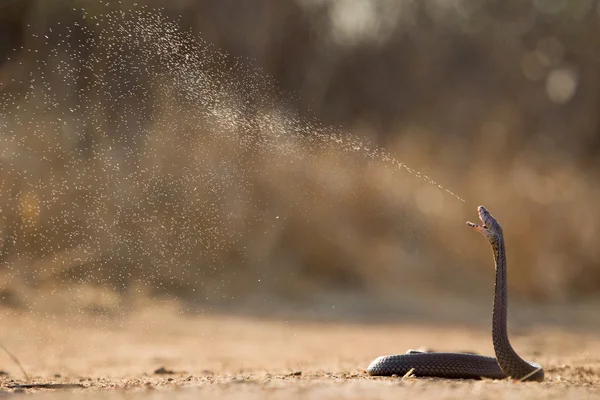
<point>463,365</point>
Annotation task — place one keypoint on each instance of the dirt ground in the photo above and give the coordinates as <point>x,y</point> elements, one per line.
<point>235,357</point>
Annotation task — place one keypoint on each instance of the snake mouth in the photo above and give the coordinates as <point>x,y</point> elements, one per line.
<point>484,216</point>
<point>477,227</point>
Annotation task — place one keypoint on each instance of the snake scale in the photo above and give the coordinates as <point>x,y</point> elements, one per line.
<point>507,363</point>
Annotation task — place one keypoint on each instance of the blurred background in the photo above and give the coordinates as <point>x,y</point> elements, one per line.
<point>276,154</point>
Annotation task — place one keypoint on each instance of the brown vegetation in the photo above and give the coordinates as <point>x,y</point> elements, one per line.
<point>119,170</point>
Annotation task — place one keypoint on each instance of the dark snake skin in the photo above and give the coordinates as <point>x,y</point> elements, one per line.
<point>471,366</point>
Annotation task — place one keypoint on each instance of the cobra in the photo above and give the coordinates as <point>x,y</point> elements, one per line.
<point>506,364</point>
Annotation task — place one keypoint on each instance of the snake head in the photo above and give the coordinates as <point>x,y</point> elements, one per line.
<point>490,228</point>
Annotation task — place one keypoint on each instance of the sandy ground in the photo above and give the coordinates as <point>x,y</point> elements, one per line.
<point>220,356</point>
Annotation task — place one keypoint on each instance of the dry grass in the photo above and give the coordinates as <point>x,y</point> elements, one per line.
<point>123,183</point>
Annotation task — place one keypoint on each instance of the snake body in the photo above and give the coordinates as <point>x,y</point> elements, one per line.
<point>507,363</point>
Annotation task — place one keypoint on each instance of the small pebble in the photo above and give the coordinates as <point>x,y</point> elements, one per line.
<point>163,371</point>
